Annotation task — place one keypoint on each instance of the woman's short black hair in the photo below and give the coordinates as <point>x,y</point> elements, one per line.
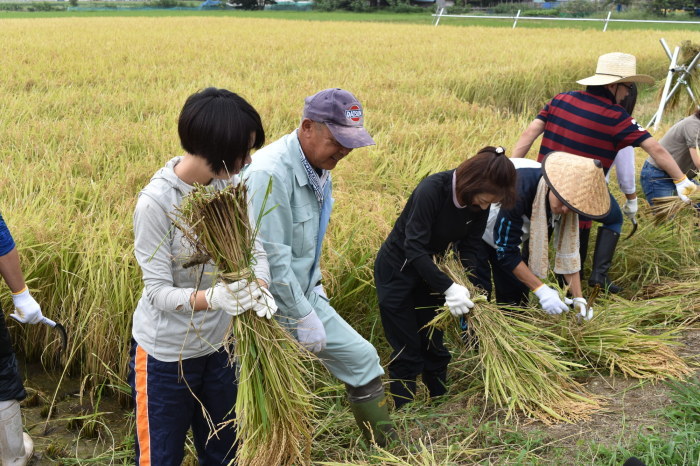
<point>217,124</point>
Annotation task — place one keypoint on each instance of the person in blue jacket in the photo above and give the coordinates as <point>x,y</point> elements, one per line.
<point>16,447</point>
<point>518,237</point>
<point>445,208</point>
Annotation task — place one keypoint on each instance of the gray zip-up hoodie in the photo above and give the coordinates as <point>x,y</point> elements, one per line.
<point>164,324</point>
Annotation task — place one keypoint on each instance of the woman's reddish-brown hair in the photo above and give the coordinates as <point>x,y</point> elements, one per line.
<point>489,171</point>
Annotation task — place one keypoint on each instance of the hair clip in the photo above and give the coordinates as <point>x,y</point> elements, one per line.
<point>500,150</point>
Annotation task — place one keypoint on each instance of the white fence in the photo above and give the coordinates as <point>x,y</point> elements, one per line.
<point>441,14</point>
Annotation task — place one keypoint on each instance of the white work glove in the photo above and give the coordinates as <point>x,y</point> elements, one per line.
<point>582,309</point>
<point>630,209</point>
<point>233,298</point>
<point>311,333</point>
<point>27,310</point>
<point>457,300</point>
<point>265,305</point>
<point>685,188</point>
<point>318,289</point>
<point>550,301</point>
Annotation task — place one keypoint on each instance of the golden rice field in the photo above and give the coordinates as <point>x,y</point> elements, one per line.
<point>88,112</point>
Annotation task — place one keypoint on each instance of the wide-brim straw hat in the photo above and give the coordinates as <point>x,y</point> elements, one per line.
<point>614,68</point>
<point>578,182</point>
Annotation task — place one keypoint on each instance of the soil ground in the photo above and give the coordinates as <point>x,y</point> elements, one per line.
<point>633,407</point>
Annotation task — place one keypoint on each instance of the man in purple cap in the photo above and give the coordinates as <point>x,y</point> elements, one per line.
<point>298,165</point>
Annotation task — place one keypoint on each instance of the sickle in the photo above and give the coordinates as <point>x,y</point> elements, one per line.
<point>63,336</point>
<point>594,295</point>
<point>634,229</point>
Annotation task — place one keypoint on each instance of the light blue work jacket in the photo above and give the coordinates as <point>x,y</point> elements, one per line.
<point>290,230</point>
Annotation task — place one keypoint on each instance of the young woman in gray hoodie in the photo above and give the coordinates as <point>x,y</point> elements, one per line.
<point>179,371</point>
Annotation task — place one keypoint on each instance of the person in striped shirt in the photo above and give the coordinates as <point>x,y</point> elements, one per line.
<point>592,124</point>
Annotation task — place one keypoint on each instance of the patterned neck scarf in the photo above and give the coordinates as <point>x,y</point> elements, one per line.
<point>318,183</point>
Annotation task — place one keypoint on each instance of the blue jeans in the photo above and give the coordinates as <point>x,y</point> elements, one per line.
<point>612,221</point>
<point>656,183</point>
<point>11,387</point>
<point>170,397</point>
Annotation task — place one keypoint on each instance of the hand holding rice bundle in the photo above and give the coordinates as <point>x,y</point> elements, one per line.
<point>274,402</point>
<point>521,364</point>
<point>183,374</point>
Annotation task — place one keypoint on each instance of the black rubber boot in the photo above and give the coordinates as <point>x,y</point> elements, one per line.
<point>403,391</point>
<point>605,245</point>
<point>371,411</point>
<point>436,383</point>
<point>583,237</point>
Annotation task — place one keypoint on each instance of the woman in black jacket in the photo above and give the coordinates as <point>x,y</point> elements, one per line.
<point>445,208</point>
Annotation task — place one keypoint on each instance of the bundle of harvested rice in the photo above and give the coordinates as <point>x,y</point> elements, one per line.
<point>660,311</point>
<point>668,207</point>
<point>610,341</point>
<point>274,404</point>
<point>657,252</point>
<point>520,362</point>
<point>609,345</point>
<point>688,51</point>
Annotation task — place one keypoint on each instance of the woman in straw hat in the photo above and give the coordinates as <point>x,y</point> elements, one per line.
<point>445,208</point>
<point>547,196</point>
<point>592,124</point>
<point>683,142</point>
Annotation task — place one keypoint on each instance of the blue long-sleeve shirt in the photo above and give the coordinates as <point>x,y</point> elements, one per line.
<point>7,244</point>
<point>509,226</point>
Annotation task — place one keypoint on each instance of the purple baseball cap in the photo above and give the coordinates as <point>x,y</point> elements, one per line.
<point>342,114</point>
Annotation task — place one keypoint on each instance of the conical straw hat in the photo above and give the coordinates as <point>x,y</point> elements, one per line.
<point>614,68</point>
<point>578,182</point>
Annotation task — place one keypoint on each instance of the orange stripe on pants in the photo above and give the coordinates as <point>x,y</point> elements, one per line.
<point>142,432</point>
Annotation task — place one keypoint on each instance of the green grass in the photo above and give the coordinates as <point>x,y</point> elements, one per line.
<point>462,433</point>
<point>376,16</point>
<point>675,443</point>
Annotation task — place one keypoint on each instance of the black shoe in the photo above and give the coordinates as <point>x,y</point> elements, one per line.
<point>402,391</point>
<point>436,383</point>
<point>605,245</point>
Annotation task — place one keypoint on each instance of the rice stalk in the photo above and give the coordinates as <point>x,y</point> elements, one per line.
<point>653,311</point>
<point>274,403</point>
<point>685,290</point>
<point>656,254</point>
<point>611,342</point>
<point>666,208</point>
<point>688,51</point>
<point>520,363</point>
